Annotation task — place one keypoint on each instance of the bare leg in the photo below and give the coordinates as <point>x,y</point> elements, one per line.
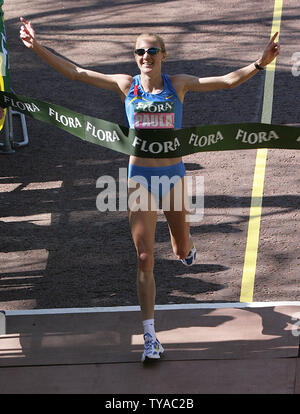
<point>179,225</point>
<point>143,224</point>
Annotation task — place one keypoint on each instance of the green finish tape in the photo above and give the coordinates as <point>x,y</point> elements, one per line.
<point>156,143</point>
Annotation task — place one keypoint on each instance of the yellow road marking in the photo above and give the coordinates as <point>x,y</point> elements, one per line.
<point>249,270</point>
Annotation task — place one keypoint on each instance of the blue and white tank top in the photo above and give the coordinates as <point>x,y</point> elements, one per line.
<point>153,111</point>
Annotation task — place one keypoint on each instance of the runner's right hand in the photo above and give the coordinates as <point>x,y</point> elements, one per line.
<point>27,34</point>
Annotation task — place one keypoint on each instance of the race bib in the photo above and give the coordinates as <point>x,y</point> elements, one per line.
<point>153,115</point>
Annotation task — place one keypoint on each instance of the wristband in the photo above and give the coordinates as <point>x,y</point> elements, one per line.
<point>257,66</point>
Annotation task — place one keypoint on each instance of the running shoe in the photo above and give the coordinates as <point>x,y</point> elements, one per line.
<point>191,257</point>
<point>152,348</point>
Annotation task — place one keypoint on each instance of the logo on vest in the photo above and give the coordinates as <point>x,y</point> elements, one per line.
<point>153,115</point>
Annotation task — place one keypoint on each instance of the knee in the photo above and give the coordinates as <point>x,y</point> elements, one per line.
<point>145,261</point>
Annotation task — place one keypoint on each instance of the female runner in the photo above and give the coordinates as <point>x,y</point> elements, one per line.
<point>152,100</point>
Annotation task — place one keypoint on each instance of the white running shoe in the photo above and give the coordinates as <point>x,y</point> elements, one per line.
<point>152,348</point>
<point>191,257</point>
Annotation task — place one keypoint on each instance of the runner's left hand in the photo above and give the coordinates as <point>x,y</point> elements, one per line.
<point>271,51</point>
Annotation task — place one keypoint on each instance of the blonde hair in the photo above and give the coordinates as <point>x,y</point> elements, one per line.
<point>155,36</point>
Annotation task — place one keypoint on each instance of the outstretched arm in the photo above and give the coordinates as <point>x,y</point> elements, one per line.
<point>118,83</point>
<point>232,79</point>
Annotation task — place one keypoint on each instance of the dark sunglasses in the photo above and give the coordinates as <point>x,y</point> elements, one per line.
<point>151,51</point>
